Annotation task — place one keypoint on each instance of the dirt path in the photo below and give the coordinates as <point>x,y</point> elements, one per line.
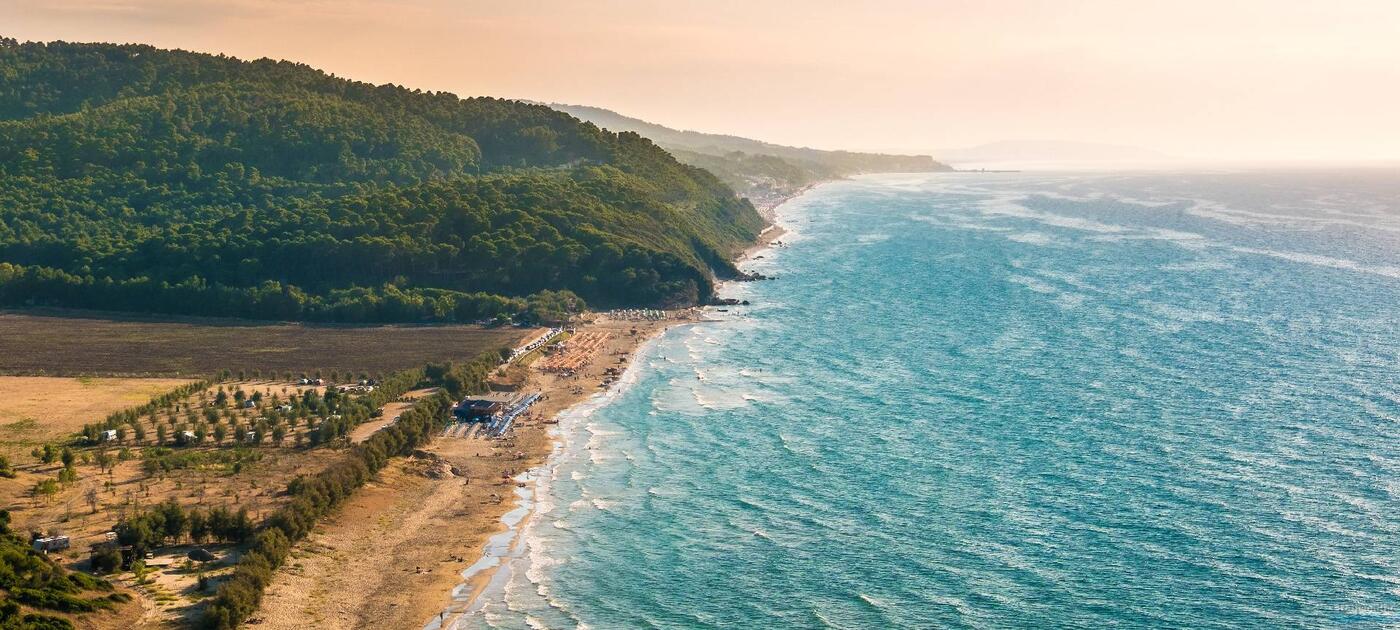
<point>390,412</point>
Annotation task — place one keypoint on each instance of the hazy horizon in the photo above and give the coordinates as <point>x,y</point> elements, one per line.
<point>1253,81</point>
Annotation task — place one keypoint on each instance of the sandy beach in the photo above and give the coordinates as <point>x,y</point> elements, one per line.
<point>393,554</point>
<point>768,209</point>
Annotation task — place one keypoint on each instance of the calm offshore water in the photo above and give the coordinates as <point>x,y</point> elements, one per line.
<point>1007,400</point>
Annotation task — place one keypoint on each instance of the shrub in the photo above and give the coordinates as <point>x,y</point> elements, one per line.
<point>316,495</point>
<point>106,560</point>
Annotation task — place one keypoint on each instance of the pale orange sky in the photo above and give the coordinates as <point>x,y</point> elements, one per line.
<point>1219,79</point>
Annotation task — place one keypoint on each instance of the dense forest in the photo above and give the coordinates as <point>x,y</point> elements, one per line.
<point>140,179</point>
<point>753,166</point>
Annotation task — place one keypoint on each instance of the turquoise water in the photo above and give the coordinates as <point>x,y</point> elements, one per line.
<point>1006,400</point>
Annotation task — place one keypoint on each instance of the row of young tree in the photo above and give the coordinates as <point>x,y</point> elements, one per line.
<point>169,522</point>
<point>165,401</point>
<point>316,495</point>
<point>67,475</point>
<point>327,416</point>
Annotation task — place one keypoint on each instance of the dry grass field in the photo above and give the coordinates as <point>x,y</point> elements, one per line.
<point>35,409</point>
<point>239,456</point>
<point>78,344</point>
<point>236,444</point>
<point>169,594</point>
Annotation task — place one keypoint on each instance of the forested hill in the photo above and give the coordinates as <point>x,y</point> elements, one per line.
<point>753,165</point>
<point>139,179</point>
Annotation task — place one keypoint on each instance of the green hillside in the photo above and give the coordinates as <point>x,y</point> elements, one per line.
<point>139,179</point>
<point>37,593</point>
<point>752,166</point>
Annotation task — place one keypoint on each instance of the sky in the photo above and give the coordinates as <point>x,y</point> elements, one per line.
<point>1272,80</point>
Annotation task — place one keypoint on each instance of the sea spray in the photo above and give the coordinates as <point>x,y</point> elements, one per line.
<point>1138,416</point>
<point>514,551</point>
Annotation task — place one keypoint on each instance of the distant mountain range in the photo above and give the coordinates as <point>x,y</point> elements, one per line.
<point>1052,152</point>
<point>760,170</point>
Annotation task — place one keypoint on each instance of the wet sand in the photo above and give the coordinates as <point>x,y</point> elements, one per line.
<point>393,554</point>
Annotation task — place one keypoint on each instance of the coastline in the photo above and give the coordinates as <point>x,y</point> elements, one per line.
<point>394,555</point>
<point>410,550</point>
<point>486,574</point>
<point>766,239</point>
<point>485,580</point>
<point>768,209</point>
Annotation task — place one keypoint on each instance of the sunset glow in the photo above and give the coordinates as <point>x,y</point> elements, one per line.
<point>1244,80</point>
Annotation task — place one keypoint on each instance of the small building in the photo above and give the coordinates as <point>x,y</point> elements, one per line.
<point>493,406</point>
<point>477,409</point>
<point>485,406</point>
<point>50,543</point>
<point>110,435</point>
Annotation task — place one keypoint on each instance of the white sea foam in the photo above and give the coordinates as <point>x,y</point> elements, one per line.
<point>1323,261</point>
<point>1032,238</point>
<point>1234,216</point>
<point>1007,207</point>
<point>1070,300</point>
<point>519,544</point>
<point>1185,315</point>
<point>1213,264</point>
<point>1034,284</point>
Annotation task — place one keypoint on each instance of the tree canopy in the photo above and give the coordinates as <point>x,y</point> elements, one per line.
<point>140,179</point>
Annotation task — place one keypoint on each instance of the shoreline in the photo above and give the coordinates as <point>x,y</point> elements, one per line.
<point>394,554</point>
<point>766,239</point>
<point>412,550</point>
<point>482,576</point>
<point>493,569</point>
<point>773,231</point>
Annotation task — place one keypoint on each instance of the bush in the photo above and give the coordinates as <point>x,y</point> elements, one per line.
<point>51,599</point>
<point>316,495</point>
<point>106,560</point>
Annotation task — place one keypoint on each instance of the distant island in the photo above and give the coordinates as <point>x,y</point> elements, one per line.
<point>762,171</point>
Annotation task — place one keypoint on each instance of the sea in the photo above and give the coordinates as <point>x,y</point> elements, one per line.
<point>1003,400</point>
